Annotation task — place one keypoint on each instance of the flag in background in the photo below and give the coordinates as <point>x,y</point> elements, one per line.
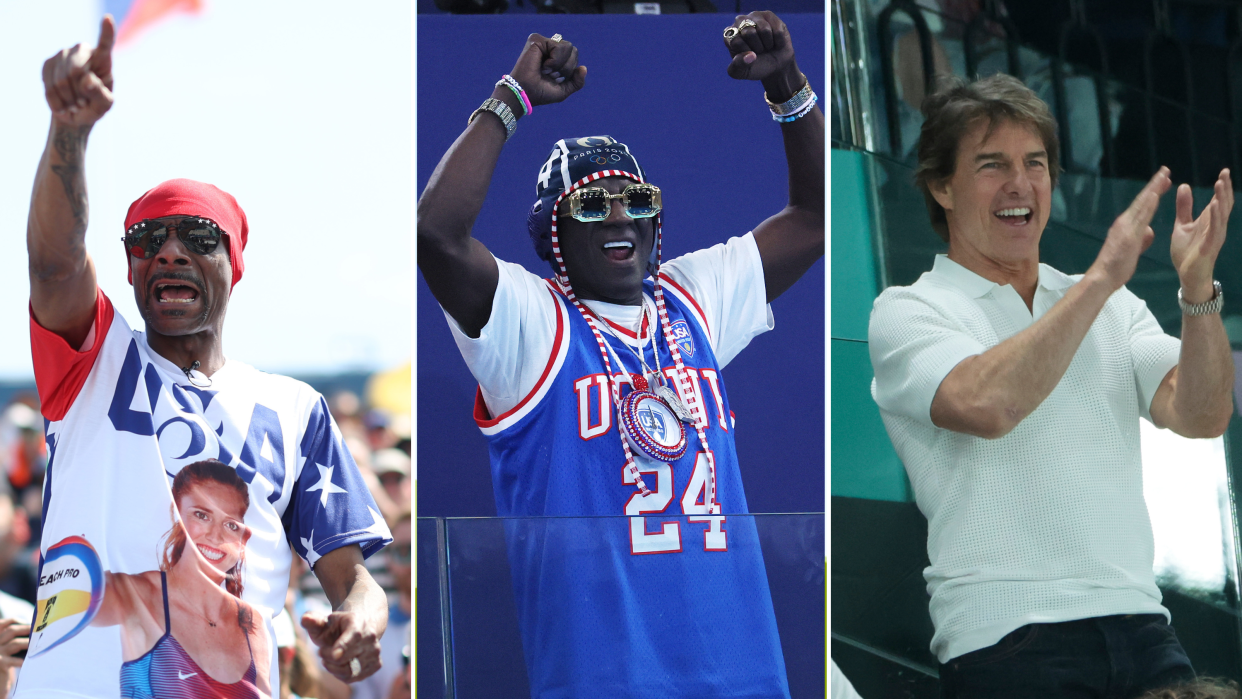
<point>132,16</point>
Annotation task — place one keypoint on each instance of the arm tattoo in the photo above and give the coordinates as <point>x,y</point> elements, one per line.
<point>70,144</point>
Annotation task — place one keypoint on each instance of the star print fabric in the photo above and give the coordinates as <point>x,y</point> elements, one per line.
<point>331,505</point>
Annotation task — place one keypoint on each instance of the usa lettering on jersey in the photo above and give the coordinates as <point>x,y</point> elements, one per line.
<point>188,416</point>
<point>593,397</point>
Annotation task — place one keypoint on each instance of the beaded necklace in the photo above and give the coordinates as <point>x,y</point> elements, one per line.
<point>681,382</point>
<point>646,376</point>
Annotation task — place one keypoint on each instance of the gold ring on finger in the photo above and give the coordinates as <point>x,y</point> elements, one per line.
<point>556,37</point>
<point>730,32</point>
<point>746,23</point>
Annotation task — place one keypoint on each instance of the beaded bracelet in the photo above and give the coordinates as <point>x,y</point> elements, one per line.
<point>512,83</point>
<point>803,111</point>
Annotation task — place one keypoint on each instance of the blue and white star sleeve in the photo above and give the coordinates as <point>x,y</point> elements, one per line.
<point>331,506</point>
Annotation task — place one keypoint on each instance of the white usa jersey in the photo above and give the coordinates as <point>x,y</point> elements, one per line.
<point>121,422</point>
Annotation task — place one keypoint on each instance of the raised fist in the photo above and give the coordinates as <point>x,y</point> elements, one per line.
<point>760,47</point>
<point>78,81</point>
<point>548,70</point>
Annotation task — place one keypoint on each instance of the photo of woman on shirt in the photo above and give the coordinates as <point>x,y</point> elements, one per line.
<point>185,631</point>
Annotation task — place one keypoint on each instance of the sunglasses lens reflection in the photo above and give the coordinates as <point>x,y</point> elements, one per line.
<point>641,202</point>
<point>143,245</point>
<point>201,240</point>
<point>594,203</point>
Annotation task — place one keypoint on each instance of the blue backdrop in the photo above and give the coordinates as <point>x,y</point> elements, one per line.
<point>658,84</point>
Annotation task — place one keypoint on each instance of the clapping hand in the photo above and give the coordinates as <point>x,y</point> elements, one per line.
<point>1197,241</point>
<point>1131,234</point>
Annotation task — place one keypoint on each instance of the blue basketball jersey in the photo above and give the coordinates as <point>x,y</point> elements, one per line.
<point>663,600</point>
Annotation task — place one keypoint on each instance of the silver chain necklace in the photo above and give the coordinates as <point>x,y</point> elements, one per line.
<point>656,380</point>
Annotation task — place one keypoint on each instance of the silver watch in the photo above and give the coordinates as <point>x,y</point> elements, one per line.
<point>1212,305</point>
<point>501,110</point>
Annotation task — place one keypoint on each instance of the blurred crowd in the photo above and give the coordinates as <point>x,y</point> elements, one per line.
<point>379,441</point>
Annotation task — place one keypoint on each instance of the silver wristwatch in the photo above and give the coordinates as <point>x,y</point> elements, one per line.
<point>501,110</point>
<point>1208,307</point>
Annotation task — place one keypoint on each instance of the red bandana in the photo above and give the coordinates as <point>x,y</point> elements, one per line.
<point>189,198</point>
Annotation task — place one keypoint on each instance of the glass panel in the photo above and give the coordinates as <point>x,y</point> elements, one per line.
<point>430,659</point>
<point>488,657</point>
<point>1141,132</point>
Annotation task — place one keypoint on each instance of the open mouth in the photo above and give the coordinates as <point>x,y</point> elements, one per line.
<point>175,292</point>
<point>1017,216</point>
<point>212,554</point>
<point>619,251</point>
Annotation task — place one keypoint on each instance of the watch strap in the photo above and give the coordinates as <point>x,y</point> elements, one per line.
<point>1212,305</point>
<point>501,110</point>
<point>794,103</point>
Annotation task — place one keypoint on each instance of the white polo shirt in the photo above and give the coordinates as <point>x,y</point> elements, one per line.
<point>1047,523</point>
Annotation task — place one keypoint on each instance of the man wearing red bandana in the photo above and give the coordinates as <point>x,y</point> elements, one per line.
<point>126,410</point>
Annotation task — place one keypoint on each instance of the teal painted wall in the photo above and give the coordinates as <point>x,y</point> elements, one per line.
<point>854,284</point>
<point>864,464</point>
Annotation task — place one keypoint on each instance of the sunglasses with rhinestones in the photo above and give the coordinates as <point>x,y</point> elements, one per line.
<point>199,235</point>
<point>595,203</point>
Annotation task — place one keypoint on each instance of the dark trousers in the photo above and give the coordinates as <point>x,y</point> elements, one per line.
<point>1108,657</point>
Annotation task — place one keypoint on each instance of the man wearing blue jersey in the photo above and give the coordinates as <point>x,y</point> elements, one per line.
<point>673,600</point>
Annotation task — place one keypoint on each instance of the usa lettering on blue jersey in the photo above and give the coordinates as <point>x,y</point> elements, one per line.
<point>642,603</point>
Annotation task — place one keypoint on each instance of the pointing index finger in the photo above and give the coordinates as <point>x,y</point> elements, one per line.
<point>101,57</point>
<point>107,36</point>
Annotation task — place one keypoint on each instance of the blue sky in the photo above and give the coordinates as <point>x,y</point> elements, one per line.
<point>302,111</point>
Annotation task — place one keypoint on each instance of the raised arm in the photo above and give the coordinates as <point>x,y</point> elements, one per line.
<point>792,240</point>
<point>987,395</point>
<point>77,83</point>
<point>459,270</point>
<point>1196,398</point>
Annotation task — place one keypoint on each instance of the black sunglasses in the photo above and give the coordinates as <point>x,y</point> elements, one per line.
<point>199,235</point>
